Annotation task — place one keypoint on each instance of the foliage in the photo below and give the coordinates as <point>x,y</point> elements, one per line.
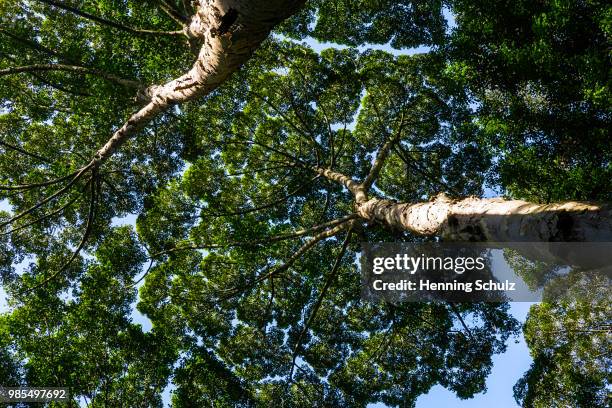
<point>540,72</point>
<point>248,307</point>
<point>570,345</point>
<point>402,24</point>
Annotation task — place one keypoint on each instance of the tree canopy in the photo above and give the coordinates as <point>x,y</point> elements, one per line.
<point>248,159</point>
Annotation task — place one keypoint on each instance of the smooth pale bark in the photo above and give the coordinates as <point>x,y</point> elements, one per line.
<point>479,219</point>
<point>229,31</point>
<point>495,219</point>
<point>356,188</point>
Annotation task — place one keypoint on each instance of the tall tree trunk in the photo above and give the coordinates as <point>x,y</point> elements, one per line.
<point>495,219</point>
<point>229,31</point>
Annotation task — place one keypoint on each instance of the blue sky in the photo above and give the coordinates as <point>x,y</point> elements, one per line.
<point>507,369</point>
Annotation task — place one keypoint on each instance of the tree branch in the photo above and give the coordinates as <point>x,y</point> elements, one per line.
<point>308,134</point>
<point>305,248</point>
<point>36,185</point>
<point>458,314</point>
<point>36,46</point>
<point>381,157</point>
<point>173,13</point>
<point>360,190</point>
<point>353,186</point>
<point>315,97</point>
<point>106,22</point>
<point>71,68</point>
<point>293,159</point>
<point>48,199</point>
<point>23,151</point>
<point>44,217</point>
<point>60,88</point>
<point>317,305</point>
<point>88,227</point>
<point>220,56</point>
<point>187,7</point>
<point>402,154</point>
<point>264,206</point>
<point>267,240</point>
<point>295,257</point>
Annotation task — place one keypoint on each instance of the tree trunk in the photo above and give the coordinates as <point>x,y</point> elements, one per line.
<point>495,219</point>
<point>229,31</point>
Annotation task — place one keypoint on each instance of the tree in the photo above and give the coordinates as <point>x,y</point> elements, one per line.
<point>570,343</point>
<point>84,339</point>
<point>250,202</point>
<point>546,115</point>
<point>540,71</point>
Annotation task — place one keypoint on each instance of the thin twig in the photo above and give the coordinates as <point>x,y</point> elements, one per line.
<point>173,13</point>
<point>46,200</point>
<point>88,227</point>
<point>458,314</point>
<point>317,305</point>
<point>71,68</point>
<point>106,22</point>
<point>267,240</point>
<point>382,156</point>
<point>30,186</point>
<point>294,258</point>
<point>22,151</point>
<point>44,217</point>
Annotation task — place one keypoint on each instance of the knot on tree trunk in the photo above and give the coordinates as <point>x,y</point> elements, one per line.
<point>442,198</point>
<point>146,95</point>
<point>226,22</point>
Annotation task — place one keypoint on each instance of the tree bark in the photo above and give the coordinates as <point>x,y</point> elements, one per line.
<point>494,219</point>
<point>479,219</point>
<point>229,31</point>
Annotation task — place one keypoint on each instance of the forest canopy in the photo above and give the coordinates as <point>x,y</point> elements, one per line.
<point>254,164</point>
